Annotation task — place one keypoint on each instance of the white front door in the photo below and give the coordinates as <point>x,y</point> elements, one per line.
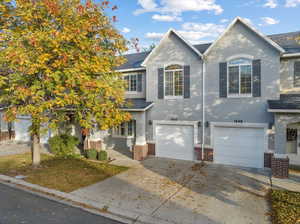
<point>174,141</point>
<point>240,146</point>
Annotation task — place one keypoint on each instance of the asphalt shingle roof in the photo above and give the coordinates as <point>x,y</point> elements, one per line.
<point>134,60</point>
<point>286,40</point>
<point>286,102</point>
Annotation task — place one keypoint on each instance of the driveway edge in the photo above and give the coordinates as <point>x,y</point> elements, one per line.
<point>94,207</point>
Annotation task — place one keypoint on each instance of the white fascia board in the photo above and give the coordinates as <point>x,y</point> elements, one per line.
<point>239,19</point>
<point>161,41</point>
<point>239,125</point>
<point>131,69</point>
<point>283,111</point>
<point>290,55</point>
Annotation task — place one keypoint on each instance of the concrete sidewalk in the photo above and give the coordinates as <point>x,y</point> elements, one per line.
<point>290,184</point>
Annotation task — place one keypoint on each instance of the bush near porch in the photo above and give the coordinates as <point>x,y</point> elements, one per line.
<point>63,174</point>
<point>285,207</point>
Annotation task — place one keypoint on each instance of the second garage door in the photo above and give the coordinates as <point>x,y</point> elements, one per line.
<point>174,141</point>
<point>240,146</point>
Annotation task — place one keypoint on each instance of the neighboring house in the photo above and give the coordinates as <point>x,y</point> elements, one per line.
<point>237,97</point>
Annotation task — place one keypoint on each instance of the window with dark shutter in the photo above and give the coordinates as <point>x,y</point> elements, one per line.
<point>223,79</point>
<point>297,74</point>
<point>140,82</point>
<point>160,83</point>
<point>186,81</point>
<point>256,67</point>
<point>174,81</point>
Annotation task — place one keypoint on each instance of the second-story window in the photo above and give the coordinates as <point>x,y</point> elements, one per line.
<point>131,83</point>
<point>173,79</point>
<point>134,82</point>
<point>297,74</point>
<point>240,77</point>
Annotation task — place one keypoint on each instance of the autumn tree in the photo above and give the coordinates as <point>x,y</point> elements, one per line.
<point>60,57</point>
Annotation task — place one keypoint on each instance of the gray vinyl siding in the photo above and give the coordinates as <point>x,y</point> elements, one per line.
<point>174,51</point>
<point>241,41</point>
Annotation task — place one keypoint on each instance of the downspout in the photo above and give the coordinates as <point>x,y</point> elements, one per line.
<point>203,108</point>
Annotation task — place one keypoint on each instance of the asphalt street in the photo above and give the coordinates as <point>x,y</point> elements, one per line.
<point>20,207</point>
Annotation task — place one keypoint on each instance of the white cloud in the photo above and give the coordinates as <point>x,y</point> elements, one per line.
<point>201,32</point>
<point>154,36</point>
<point>203,27</point>
<point>292,3</point>
<point>224,20</point>
<point>147,4</point>
<point>195,33</point>
<point>268,21</point>
<point>271,4</point>
<point>125,30</point>
<point>166,18</point>
<point>178,6</point>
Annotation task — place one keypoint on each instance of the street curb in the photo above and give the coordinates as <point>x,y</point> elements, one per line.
<point>94,207</point>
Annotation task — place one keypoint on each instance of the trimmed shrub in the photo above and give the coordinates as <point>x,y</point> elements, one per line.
<point>63,145</point>
<point>91,154</point>
<point>102,155</point>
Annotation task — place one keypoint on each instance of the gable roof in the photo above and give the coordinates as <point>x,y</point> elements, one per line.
<point>238,19</point>
<point>285,40</point>
<point>164,37</point>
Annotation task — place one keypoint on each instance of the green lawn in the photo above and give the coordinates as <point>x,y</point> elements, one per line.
<point>285,207</point>
<point>61,174</point>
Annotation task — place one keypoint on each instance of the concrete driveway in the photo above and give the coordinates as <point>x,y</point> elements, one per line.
<point>185,192</point>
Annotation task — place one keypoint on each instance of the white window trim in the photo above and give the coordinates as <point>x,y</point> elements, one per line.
<point>239,95</point>
<point>174,70</point>
<point>116,135</point>
<point>129,75</point>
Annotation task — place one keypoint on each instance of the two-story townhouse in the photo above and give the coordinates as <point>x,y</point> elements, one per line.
<point>232,97</point>
<point>221,96</point>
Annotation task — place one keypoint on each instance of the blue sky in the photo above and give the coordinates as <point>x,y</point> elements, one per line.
<point>201,20</point>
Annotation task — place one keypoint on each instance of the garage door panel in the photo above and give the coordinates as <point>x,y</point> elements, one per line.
<point>242,161</point>
<point>241,146</point>
<point>175,141</point>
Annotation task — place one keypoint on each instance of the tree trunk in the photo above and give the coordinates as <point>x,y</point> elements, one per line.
<point>35,150</point>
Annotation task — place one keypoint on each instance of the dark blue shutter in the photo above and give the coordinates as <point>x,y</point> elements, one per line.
<point>256,69</point>
<point>139,82</point>
<point>223,79</point>
<point>160,84</point>
<point>186,72</point>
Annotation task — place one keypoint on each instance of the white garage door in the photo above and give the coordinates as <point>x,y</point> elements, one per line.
<point>174,141</point>
<point>240,146</point>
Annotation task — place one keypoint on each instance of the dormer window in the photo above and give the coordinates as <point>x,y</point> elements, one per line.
<point>240,77</point>
<point>173,80</point>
